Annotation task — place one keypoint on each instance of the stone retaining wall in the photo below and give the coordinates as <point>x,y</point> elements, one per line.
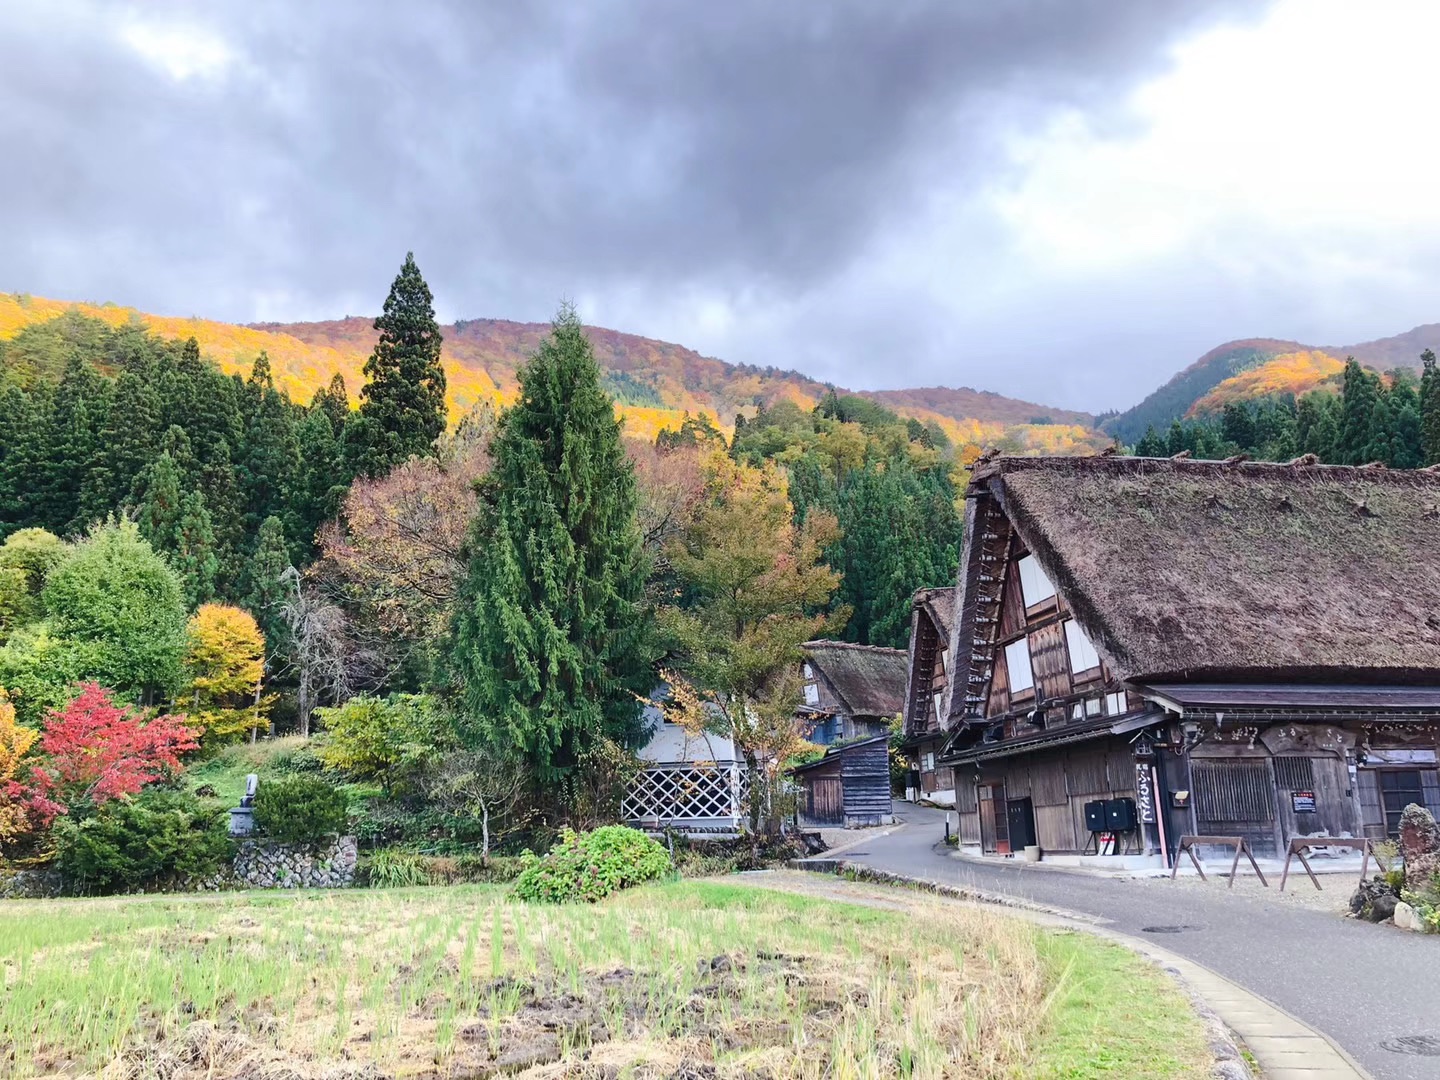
<point>41,884</point>
<point>261,864</point>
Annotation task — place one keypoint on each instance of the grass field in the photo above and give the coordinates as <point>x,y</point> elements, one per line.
<point>684,980</point>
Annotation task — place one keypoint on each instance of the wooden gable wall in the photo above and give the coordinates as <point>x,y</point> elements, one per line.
<point>1043,626</point>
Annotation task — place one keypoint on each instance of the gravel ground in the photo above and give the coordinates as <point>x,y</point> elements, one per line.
<point>1333,897</point>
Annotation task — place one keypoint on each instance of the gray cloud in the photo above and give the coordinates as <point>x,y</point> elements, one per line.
<point>640,154</point>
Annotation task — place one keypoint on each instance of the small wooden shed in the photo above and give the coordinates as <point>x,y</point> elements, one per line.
<point>849,786</point>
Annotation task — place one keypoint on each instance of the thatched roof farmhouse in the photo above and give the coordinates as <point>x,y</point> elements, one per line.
<point>1238,648</point>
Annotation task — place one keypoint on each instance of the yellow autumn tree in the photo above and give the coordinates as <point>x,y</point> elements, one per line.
<point>15,742</point>
<point>225,662</point>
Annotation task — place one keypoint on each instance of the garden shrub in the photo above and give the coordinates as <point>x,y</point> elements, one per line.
<point>299,809</point>
<point>391,868</point>
<point>590,866</point>
<point>1426,902</point>
<point>142,840</point>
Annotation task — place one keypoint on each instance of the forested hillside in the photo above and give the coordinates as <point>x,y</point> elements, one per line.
<point>1262,368</point>
<point>654,383</point>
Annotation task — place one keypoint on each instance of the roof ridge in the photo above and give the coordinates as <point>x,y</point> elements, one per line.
<point>829,644</point>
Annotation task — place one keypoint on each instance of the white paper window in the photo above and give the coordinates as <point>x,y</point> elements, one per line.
<point>1083,656</point>
<point>812,694</point>
<point>928,764</point>
<point>1034,585</point>
<point>1092,706</point>
<point>938,718</point>
<point>1114,704</point>
<point>1017,663</point>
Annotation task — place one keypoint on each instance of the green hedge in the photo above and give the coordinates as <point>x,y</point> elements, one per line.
<point>590,866</point>
<point>299,809</point>
<point>136,842</point>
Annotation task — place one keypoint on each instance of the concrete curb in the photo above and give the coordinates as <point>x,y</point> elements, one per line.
<point>1284,1047</point>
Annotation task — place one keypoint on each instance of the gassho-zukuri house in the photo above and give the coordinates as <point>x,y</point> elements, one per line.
<point>1147,648</point>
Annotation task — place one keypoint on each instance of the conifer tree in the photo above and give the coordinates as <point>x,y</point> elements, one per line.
<point>550,635</point>
<point>195,558</point>
<point>176,443</point>
<point>1150,444</point>
<point>264,589</point>
<point>1381,445</point>
<point>1359,389</point>
<point>1430,407</point>
<point>334,402</point>
<point>1407,443</point>
<point>73,450</point>
<point>130,433</point>
<point>321,482</point>
<point>159,517</point>
<point>404,397</point>
<point>270,459</point>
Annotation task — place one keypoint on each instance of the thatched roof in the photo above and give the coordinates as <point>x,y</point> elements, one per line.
<point>869,680</point>
<point>939,604</point>
<point>1236,570</point>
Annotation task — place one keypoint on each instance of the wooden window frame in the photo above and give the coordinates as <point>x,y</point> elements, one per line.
<point>1079,674</point>
<point>1025,601</point>
<point>1028,691</point>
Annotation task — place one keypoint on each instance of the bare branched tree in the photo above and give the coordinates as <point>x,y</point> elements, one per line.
<point>328,664</point>
<point>484,785</point>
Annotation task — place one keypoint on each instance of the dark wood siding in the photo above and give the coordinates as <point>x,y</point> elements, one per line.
<point>999,686</point>
<point>1328,778</point>
<point>1050,660</point>
<point>1012,612</point>
<point>1235,797</point>
<point>865,769</point>
<point>824,796</point>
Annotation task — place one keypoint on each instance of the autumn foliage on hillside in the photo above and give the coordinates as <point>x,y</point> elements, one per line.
<point>1292,373</point>
<point>654,383</point>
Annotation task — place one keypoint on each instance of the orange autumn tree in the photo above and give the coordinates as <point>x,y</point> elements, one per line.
<point>754,588</point>
<point>15,742</point>
<point>225,662</point>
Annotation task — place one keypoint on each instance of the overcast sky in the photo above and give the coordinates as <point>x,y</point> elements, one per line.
<point>1064,200</point>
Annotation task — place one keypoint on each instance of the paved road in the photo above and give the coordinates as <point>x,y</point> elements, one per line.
<point>1360,984</point>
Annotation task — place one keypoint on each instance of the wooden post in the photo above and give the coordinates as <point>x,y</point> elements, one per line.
<point>1238,843</point>
<point>1301,844</point>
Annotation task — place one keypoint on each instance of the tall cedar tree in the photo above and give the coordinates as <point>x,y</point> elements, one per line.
<point>264,588</point>
<point>403,400</point>
<point>1430,407</point>
<point>550,634</point>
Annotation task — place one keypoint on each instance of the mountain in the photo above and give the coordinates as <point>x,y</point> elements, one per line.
<point>1402,350</point>
<point>1174,399</point>
<point>1262,367</point>
<point>654,382</point>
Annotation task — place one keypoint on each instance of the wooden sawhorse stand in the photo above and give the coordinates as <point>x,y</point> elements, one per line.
<point>1188,844</point>
<point>1301,844</point>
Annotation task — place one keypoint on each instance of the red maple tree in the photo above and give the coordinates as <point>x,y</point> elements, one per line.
<point>96,751</point>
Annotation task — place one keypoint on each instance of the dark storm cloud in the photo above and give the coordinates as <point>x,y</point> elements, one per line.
<point>525,151</point>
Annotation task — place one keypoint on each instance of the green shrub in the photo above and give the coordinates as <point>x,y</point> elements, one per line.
<point>590,866</point>
<point>299,809</point>
<point>392,869</point>
<point>391,740</point>
<point>140,841</point>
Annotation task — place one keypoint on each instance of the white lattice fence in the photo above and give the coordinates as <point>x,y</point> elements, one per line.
<point>686,792</point>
